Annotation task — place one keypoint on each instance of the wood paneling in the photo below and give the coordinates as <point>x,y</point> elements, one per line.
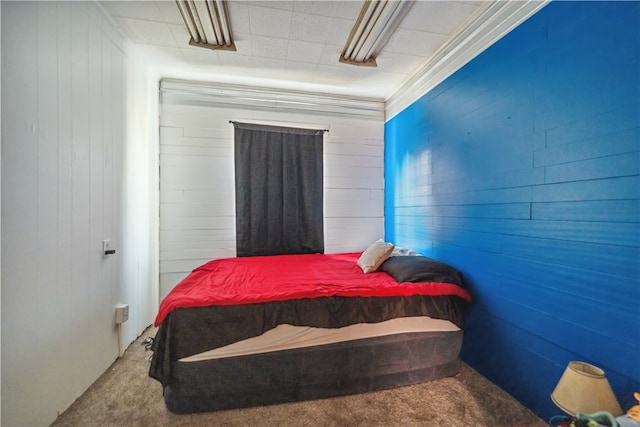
<point>522,170</point>
<point>197,193</point>
<point>63,133</point>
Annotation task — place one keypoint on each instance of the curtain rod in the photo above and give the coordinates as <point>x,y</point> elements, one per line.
<point>281,124</point>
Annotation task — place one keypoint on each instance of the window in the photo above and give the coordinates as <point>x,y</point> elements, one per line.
<point>279,185</point>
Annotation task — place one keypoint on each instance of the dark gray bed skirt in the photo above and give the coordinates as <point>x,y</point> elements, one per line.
<point>315,372</point>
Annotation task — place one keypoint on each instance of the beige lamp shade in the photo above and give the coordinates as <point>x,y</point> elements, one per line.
<point>584,388</point>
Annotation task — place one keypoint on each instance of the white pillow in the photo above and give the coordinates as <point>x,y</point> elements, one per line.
<point>374,255</point>
<point>399,251</point>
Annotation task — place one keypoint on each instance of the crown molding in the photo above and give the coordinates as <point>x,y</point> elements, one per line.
<point>186,92</point>
<point>490,24</point>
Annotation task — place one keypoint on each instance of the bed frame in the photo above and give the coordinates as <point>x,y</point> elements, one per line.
<point>321,370</point>
<point>315,372</point>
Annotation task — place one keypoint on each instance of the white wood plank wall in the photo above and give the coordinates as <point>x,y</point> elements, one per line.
<point>197,195</point>
<point>67,87</point>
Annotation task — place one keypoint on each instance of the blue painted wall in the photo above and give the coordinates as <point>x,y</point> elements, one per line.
<point>522,170</point>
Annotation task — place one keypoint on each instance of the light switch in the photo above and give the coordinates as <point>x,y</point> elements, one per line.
<point>106,248</point>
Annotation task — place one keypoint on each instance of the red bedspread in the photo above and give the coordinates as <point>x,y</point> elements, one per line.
<point>247,280</point>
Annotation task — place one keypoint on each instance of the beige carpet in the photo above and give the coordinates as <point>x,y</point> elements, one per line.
<point>125,396</point>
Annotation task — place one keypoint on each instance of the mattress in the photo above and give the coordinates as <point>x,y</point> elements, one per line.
<point>265,330</point>
<point>315,372</point>
<point>290,337</point>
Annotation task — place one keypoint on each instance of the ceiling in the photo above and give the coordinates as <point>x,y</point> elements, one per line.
<point>294,44</point>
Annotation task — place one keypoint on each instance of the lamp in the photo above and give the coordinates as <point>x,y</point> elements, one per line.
<point>584,388</point>
<point>208,23</point>
<point>376,23</point>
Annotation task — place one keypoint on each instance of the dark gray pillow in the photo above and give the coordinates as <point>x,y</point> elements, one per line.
<point>421,269</point>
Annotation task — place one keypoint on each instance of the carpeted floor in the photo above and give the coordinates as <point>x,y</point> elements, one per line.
<point>126,396</point>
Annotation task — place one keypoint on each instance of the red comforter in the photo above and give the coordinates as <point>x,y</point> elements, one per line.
<point>247,280</point>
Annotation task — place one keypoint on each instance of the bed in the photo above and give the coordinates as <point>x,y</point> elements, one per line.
<point>242,332</point>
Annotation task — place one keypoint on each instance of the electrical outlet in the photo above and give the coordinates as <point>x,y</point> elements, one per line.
<point>122,313</point>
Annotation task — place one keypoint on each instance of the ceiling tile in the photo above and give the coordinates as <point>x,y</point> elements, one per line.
<point>304,51</point>
<point>282,42</point>
<point>265,21</point>
<point>233,59</point>
<point>322,8</point>
<point>146,10</point>
<point>282,5</point>
<point>180,34</point>
<point>300,67</point>
<point>347,71</point>
<point>381,78</point>
<point>330,76</point>
<point>201,56</point>
<point>148,32</point>
<point>310,28</point>
<point>239,17</point>
<point>349,9</point>
<point>269,47</point>
<point>330,55</point>
<point>399,63</point>
<point>411,42</point>
<point>442,17</point>
<point>243,44</point>
<point>269,67</point>
<point>339,31</point>
<point>170,12</point>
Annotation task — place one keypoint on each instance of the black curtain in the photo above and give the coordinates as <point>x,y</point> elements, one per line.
<point>279,202</point>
